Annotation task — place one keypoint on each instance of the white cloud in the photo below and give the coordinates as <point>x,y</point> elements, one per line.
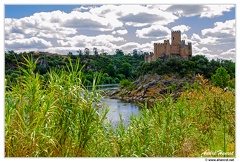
<point>202,45</point>
<point>62,50</point>
<point>184,37</point>
<point>130,46</point>
<point>215,10</point>
<point>13,36</point>
<point>28,43</point>
<point>204,40</point>
<point>203,49</point>
<point>83,8</point>
<point>160,7</point>
<point>230,54</point>
<point>195,37</point>
<point>137,15</point>
<point>102,42</point>
<point>209,11</point>
<point>147,47</point>
<point>87,20</point>
<point>120,32</point>
<point>95,40</point>
<point>186,10</point>
<point>227,27</point>
<point>154,31</point>
<point>182,28</point>
<point>64,43</point>
<point>209,40</point>
<point>41,24</point>
<point>214,41</point>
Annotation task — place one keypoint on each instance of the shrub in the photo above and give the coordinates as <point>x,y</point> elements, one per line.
<point>221,77</point>
<point>125,83</point>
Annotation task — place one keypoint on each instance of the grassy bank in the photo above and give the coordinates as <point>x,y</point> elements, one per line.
<point>51,118</point>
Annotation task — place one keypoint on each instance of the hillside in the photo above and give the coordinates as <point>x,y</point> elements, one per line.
<point>111,68</point>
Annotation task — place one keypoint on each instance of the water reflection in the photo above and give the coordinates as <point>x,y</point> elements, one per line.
<point>117,107</point>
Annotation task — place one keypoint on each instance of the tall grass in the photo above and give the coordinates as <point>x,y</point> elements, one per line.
<point>59,117</point>
<point>55,118</point>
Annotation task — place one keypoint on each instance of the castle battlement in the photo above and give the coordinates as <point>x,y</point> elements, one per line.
<point>176,48</point>
<point>166,41</point>
<point>176,31</point>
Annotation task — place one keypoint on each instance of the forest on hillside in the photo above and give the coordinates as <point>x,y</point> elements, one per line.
<point>117,67</point>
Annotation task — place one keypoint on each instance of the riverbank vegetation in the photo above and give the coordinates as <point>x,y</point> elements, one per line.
<point>56,116</point>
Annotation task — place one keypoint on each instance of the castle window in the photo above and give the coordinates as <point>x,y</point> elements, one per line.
<point>172,38</point>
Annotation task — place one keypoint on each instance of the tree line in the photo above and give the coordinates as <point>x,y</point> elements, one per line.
<point>199,64</point>
<point>117,67</point>
<point>112,68</point>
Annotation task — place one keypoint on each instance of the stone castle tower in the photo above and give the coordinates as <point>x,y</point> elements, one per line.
<point>165,50</point>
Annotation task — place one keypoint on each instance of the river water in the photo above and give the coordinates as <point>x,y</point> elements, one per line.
<point>117,108</point>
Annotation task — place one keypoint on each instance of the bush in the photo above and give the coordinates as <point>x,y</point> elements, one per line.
<point>125,83</point>
<point>221,78</point>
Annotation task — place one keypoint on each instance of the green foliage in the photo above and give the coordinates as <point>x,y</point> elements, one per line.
<point>199,64</point>
<point>172,87</point>
<point>125,69</point>
<point>117,66</point>
<point>125,83</point>
<point>221,78</point>
<point>231,83</point>
<point>55,121</point>
<point>119,52</point>
<point>62,118</point>
<point>111,70</point>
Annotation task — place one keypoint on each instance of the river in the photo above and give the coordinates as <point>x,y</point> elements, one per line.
<point>118,107</point>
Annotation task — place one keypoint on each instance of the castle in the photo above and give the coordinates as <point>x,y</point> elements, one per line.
<point>165,50</point>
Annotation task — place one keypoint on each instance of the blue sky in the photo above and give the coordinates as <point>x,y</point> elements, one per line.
<point>64,28</point>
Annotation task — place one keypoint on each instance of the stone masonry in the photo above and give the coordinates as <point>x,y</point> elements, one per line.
<point>165,50</point>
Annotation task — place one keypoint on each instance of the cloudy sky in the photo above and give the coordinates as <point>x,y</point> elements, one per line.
<point>64,28</point>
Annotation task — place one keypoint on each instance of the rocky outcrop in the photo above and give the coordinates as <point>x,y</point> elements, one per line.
<point>152,87</point>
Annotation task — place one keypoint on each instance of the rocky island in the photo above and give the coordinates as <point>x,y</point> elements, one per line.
<point>152,87</point>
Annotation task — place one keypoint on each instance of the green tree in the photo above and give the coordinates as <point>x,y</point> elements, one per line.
<point>125,69</point>
<point>86,51</point>
<point>221,78</point>
<point>95,51</point>
<point>119,52</point>
<point>70,53</point>
<point>202,65</point>
<point>80,53</point>
<point>111,70</point>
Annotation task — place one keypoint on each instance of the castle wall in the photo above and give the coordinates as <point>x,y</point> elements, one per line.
<point>162,50</point>
<point>159,49</point>
<point>176,48</point>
